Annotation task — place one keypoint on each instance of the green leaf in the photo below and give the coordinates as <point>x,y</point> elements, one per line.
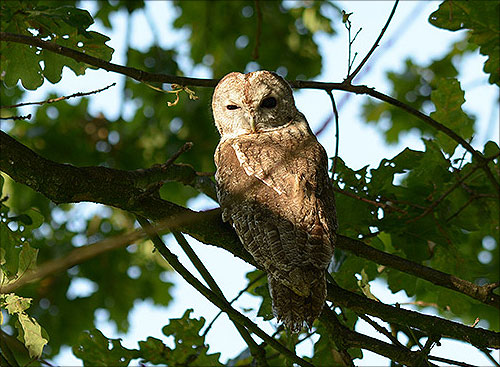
<point>10,249</point>
<point>266,308</point>
<point>185,330</point>
<point>364,285</point>
<point>30,333</point>
<point>15,304</point>
<point>482,19</point>
<point>190,348</point>
<point>154,350</point>
<point>27,259</point>
<point>97,350</point>
<point>20,62</point>
<point>448,99</point>
<point>64,25</point>
<point>491,149</point>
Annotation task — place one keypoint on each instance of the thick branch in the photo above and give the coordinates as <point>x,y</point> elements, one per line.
<point>359,248</point>
<point>432,325</point>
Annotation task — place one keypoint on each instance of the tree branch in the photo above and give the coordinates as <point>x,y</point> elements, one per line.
<point>128,190</point>
<point>52,100</point>
<point>216,299</point>
<point>75,257</point>
<point>256,350</point>
<point>359,248</point>
<point>139,75</point>
<point>143,76</point>
<point>337,138</point>
<point>350,77</point>
<point>431,325</point>
<point>352,339</point>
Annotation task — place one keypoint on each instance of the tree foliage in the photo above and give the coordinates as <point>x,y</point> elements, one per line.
<point>422,220</point>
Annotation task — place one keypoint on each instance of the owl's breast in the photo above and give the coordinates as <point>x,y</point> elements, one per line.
<point>277,169</point>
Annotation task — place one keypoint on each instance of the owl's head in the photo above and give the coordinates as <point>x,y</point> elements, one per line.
<point>252,103</point>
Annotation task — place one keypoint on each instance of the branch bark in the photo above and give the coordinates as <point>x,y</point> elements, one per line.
<point>123,189</point>
<point>431,325</point>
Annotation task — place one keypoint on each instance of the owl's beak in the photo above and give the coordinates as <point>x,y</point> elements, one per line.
<point>251,121</point>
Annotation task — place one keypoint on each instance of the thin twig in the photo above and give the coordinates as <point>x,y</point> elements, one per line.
<point>52,100</point>
<point>155,186</point>
<point>209,326</point>
<point>348,25</point>
<point>336,114</point>
<point>375,45</point>
<point>75,257</point>
<point>382,330</point>
<point>372,202</point>
<point>27,117</point>
<point>450,361</point>
<point>486,352</point>
<point>258,30</point>
<point>185,147</point>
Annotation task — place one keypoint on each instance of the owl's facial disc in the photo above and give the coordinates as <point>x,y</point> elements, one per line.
<point>252,103</point>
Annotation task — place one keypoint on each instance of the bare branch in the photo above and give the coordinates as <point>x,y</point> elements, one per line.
<point>431,325</point>
<point>348,338</point>
<point>255,349</point>
<point>382,330</point>
<point>232,301</point>
<point>258,30</point>
<point>450,361</point>
<point>490,357</point>
<point>337,139</point>
<point>481,293</point>
<point>75,257</point>
<point>52,100</point>
<point>27,117</point>
<point>375,45</point>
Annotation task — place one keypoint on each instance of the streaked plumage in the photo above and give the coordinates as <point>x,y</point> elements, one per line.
<point>273,187</point>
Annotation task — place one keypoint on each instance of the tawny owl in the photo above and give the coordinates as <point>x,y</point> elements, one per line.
<point>273,187</point>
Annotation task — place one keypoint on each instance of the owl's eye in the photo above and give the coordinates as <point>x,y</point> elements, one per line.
<point>232,107</point>
<point>269,102</point>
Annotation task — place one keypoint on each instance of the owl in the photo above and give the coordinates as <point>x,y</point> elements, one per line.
<point>273,187</point>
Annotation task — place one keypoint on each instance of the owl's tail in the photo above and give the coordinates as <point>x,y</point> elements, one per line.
<point>293,310</point>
